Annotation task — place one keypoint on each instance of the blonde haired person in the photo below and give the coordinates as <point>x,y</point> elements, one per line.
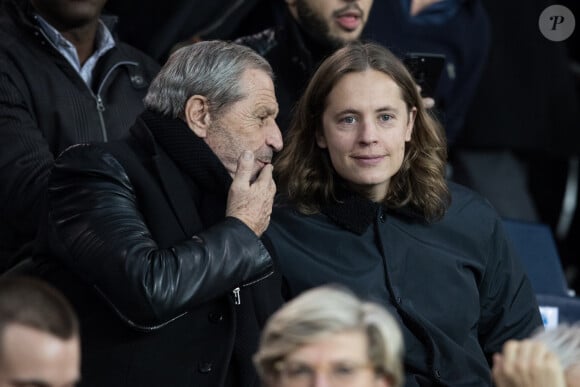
<point>368,207</point>
<point>549,358</point>
<point>328,336</point>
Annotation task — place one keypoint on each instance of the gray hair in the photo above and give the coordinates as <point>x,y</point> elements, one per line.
<point>322,312</point>
<point>211,68</point>
<point>564,342</point>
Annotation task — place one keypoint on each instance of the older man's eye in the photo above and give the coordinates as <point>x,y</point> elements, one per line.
<point>385,117</point>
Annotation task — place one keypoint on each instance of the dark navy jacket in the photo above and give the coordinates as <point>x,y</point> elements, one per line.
<point>455,285</point>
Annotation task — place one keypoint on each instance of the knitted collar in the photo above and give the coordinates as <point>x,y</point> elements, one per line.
<point>356,213</point>
<point>351,211</point>
<point>193,156</point>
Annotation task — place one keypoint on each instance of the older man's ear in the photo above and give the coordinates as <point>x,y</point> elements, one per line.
<point>197,115</point>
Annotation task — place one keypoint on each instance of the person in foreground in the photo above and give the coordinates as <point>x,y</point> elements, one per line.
<point>548,358</point>
<point>39,336</point>
<point>329,337</point>
<point>160,233</point>
<point>367,206</point>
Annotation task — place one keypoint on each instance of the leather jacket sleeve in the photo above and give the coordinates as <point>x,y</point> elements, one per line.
<point>96,228</point>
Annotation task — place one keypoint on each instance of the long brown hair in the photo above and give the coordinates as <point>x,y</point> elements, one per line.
<point>304,171</point>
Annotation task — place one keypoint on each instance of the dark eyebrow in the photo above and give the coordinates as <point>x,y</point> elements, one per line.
<point>387,109</point>
<point>347,111</point>
<point>382,109</point>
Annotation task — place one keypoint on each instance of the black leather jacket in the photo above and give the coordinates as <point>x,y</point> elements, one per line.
<point>147,253</point>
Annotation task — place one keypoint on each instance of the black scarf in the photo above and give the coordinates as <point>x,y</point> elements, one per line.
<point>196,160</point>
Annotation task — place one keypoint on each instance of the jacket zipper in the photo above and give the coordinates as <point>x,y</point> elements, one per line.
<point>237,298</point>
<point>99,101</point>
<point>100,105</point>
<point>236,291</point>
<point>101,109</point>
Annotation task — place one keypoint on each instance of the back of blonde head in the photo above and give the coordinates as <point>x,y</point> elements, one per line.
<point>322,312</point>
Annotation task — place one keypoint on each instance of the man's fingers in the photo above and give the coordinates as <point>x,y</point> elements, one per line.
<point>265,174</point>
<point>245,167</point>
<point>428,102</point>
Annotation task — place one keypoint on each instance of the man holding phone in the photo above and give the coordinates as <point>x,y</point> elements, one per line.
<point>457,30</point>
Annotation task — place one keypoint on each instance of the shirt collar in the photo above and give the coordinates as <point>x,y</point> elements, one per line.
<point>104,38</point>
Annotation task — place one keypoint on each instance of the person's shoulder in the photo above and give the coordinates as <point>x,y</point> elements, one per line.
<point>13,37</point>
<point>129,52</point>
<point>470,209</point>
<point>283,208</point>
<point>286,213</point>
<point>464,198</point>
<point>262,42</point>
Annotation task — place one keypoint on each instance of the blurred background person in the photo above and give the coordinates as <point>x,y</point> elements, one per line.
<point>159,29</point>
<point>456,29</point>
<point>548,358</point>
<point>64,79</point>
<point>39,336</point>
<point>329,337</point>
<point>309,31</point>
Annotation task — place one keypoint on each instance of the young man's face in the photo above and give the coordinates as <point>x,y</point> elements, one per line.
<point>29,357</point>
<point>333,22</point>
<point>365,128</point>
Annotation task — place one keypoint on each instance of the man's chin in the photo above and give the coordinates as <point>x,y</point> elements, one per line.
<point>345,37</point>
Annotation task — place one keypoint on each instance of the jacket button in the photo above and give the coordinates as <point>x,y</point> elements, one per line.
<point>137,80</point>
<point>205,367</point>
<point>437,374</point>
<point>215,317</point>
<point>399,300</point>
<point>382,218</point>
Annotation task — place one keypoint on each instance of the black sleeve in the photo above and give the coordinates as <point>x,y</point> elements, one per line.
<point>509,309</point>
<point>97,230</point>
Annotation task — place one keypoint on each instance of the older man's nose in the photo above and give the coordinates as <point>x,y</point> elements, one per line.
<point>274,137</point>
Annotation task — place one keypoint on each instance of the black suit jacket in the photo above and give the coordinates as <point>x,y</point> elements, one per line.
<point>151,264</point>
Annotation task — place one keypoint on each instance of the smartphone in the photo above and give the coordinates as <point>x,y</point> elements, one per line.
<point>426,69</point>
